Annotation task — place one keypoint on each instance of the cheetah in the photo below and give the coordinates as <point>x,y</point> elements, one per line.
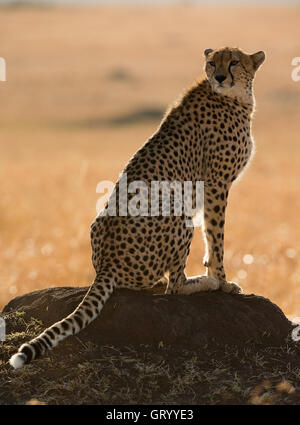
<point>205,136</point>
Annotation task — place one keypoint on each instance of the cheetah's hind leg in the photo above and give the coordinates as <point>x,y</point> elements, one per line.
<point>161,285</point>
<point>196,284</point>
<point>162,282</point>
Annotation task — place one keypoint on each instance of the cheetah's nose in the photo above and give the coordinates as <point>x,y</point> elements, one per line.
<point>220,78</point>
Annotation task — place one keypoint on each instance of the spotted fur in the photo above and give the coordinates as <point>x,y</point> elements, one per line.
<point>206,136</point>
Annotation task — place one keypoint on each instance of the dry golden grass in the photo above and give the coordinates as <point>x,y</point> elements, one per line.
<point>68,67</point>
<point>80,372</point>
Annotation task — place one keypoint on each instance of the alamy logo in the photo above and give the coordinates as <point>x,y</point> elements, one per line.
<point>2,69</point>
<point>296,71</point>
<point>159,198</point>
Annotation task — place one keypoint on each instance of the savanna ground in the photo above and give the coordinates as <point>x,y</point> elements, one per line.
<point>85,88</point>
<point>78,373</point>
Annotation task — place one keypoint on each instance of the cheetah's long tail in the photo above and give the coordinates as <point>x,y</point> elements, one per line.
<point>82,316</point>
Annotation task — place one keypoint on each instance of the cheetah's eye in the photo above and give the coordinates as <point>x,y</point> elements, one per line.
<point>212,64</point>
<point>232,63</point>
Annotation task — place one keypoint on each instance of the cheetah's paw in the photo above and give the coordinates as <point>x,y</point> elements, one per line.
<point>231,288</point>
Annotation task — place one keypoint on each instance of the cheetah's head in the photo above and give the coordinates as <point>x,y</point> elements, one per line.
<point>230,71</point>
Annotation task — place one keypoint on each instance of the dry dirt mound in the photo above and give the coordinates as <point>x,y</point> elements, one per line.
<point>208,348</point>
<point>134,318</point>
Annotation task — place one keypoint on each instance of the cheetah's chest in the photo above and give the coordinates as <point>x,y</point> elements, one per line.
<point>228,149</point>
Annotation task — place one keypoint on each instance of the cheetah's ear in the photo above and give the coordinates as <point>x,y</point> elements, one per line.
<point>207,52</point>
<point>257,59</point>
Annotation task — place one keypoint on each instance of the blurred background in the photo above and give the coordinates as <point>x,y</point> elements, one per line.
<point>87,84</point>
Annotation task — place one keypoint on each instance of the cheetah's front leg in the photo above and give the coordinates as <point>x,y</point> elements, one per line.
<point>215,201</point>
